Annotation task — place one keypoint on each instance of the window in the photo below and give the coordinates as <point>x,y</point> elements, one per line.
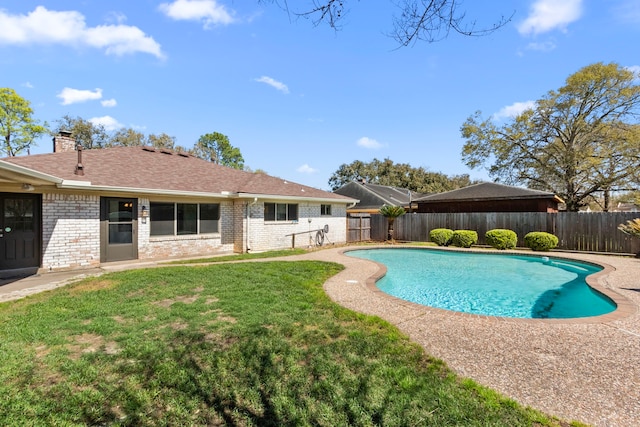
<point>209,217</point>
<point>169,219</point>
<point>325,210</point>
<point>280,212</point>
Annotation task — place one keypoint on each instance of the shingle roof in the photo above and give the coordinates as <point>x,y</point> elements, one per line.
<point>146,168</point>
<point>488,191</point>
<point>373,196</point>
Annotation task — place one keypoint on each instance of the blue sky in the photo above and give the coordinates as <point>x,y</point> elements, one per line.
<point>296,99</point>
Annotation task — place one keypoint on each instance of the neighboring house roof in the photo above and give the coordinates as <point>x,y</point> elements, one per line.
<point>150,170</point>
<point>626,207</point>
<point>374,196</point>
<point>488,191</point>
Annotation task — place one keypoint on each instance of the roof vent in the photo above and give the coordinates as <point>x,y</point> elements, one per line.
<point>79,167</point>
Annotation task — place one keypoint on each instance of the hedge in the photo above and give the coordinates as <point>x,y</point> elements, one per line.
<point>441,236</point>
<point>464,238</point>
<point>501,238</point>
<point>540,241</point>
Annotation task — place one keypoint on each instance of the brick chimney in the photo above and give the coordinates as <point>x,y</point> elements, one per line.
<point>63,141</point>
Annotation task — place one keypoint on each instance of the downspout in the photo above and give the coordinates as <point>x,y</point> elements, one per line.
<point>248,240</point>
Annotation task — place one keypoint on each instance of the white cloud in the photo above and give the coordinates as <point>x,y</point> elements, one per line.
<point>207,11</point>
<point>109,103</point>
<point>108,122</point>
<point>369,143</point>
<point>48,27</point>
<point>306,169</point>
<point>548,15</point>
<point>635,69</point>
<point>514,109</point>
<point>74,96</point>
<point>547,46</point>
<point>273,83</point>
<point>28,85</point>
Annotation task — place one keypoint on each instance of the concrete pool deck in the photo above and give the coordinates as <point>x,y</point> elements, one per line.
<point>578,369</point>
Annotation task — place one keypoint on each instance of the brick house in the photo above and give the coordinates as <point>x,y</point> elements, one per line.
<point>78,208</point>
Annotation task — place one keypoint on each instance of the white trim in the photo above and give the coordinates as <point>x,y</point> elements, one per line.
<point>81,185</point>
<point>276,197</point>
<point>29,172</point>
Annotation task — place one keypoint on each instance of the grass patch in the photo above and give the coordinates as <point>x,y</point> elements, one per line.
<point>242,257</point>
<point>248,344</point>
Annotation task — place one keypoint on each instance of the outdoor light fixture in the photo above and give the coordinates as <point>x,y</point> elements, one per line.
<point>144,214</point>
<point>27,187</point>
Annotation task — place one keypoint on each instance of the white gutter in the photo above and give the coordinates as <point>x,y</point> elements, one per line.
<point>86,185</point>
<point>248,241</point>
<point>29,172</point>
<point>295,198</point>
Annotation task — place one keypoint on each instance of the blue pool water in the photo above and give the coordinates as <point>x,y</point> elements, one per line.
<point>490,284</point>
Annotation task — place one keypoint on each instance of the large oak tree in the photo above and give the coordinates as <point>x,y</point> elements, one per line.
<point>581,141</point>
<point>401,175</point>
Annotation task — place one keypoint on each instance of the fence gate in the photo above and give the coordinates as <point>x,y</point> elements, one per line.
<point>358,228</point>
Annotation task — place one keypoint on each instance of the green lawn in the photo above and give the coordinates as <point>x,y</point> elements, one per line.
<point>241,257</point>
<point>226,344</point>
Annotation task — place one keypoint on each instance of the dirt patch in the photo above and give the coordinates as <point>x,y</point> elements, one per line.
<point>92,285</point>
<point>179,326</point>
<point>220,341</point>
<point>166,303</point>
<point>221,317</point>
<point>135,293</point>
<point>119,319</point>
<point>42,351</point>
<point>91,343</point>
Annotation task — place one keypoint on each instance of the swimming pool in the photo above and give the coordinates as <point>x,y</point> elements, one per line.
<point>504,285</point>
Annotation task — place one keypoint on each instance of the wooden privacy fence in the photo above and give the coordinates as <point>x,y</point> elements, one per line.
<point>591,232</point>
<point>359,228</point>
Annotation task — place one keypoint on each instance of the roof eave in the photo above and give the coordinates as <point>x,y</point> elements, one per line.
<point>345,201</point>
<point>486,199</point>
<point>11,167</point>
<point>85,185</point>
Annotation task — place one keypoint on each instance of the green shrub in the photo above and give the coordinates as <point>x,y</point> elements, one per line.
<point>441,236</point>
<point>540,241</point>
<point>501,238</point>
<point>464,238</point>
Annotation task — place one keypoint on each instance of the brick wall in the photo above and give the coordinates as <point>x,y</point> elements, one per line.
<point>270,235</point>
<point>158,247</point>
<point>238,229</point>
<point>70,231</point>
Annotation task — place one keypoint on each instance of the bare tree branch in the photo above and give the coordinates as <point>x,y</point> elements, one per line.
<point>418,20</point>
